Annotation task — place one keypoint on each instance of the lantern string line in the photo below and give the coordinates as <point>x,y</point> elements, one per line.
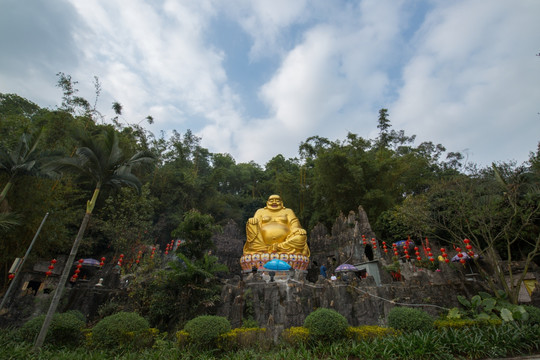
<point>372,295</point>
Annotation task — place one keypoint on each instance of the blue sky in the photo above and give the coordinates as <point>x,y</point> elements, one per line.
<point>256,78</point>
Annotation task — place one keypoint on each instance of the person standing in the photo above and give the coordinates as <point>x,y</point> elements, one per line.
<point>323,271</point>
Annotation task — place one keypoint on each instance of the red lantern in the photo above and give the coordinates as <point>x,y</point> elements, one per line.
<point>103,259</point>
<point>462,261</point>
<point>101,264</point>
<point>81,261</point>
<point>466,241</point>
<point>11,276</point>
<point>121,256</point>
<point>446,260</point>
<point>431,259</point>
<point>48,273</point>
<point>137,261</point>
<point>418,258</point>
<point>51,267</point>
<point>75,276</point>
<point>460,255</point>
<point>53,261</point>
<point>77,271</point>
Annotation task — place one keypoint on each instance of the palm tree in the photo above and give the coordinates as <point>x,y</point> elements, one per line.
<point>19,160</point>
<point>100,161</point>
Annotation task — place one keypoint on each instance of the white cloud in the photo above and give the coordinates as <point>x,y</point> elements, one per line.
<point>467,78</point>
<point>469,84</point>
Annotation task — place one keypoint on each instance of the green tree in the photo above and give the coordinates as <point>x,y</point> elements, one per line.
<point>196,232</point>
<point>101,161</point>
<point>497,209</point>
<point>22,159</point>
<point>126,219</point>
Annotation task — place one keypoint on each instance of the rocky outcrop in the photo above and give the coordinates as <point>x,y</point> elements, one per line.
<point>229,245</point>
<point>287,302</point>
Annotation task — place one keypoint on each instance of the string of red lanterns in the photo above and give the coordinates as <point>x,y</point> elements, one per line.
<point>51,267</point>
<point>102,262</point>
<point>445,255</point>
<point>77,270</point>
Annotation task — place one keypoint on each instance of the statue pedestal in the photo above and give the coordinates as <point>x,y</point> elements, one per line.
<point>258,260</point>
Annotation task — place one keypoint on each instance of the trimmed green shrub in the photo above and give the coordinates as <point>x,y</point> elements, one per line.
<point>365,332</point>
<point>65,329</point>
<point>204,330</point>
<point>534,314</point>
<point>465,323</point>
<point>296,335</point>
<point>244,338</point>
<point>118,330</point>
<point>409,319</point>
<point>326,324</point>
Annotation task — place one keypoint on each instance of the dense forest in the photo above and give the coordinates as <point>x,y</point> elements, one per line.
<point>407,189</point>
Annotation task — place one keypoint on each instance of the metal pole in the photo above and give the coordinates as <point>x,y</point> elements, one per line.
<point>14,280</point>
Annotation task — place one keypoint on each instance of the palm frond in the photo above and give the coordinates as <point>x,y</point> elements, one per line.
<point>8,221</point>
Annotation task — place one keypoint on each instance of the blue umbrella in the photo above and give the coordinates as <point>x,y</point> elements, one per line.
<point>277,264</point>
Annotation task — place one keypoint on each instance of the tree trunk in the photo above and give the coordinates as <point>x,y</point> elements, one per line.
<point>5,191</point>
<point>62,283</point>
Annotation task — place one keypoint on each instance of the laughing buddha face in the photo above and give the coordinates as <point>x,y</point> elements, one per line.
<point>274,203</point>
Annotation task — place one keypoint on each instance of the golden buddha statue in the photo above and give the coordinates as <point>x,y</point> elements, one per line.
<point>275,229</point>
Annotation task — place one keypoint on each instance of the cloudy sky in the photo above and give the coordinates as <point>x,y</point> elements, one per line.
<point>255,78</point>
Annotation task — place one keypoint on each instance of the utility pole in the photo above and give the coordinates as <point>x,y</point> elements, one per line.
<point>14,280</point>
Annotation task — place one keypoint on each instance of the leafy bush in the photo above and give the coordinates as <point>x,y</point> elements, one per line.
<point>361,333</point>
<point>120,329</point>
<point>249,323</point>
<point>65,329</point>
<point>486,306</point>
<point>295,335</point>
<point>534,314</point>
<point>464,323</point>
<point>205,329</point>
<point>243,338</point>
<point>182,338</point>
<point>408,319</point>
<point>326,324</point>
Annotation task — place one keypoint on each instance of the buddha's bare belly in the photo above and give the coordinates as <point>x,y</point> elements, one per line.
<point>274,232</point>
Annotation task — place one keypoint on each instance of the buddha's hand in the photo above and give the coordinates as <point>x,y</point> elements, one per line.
<point>298,231</point>
<point>253,221</point>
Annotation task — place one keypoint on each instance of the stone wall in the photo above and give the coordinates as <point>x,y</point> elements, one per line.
<point>286,303</point>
